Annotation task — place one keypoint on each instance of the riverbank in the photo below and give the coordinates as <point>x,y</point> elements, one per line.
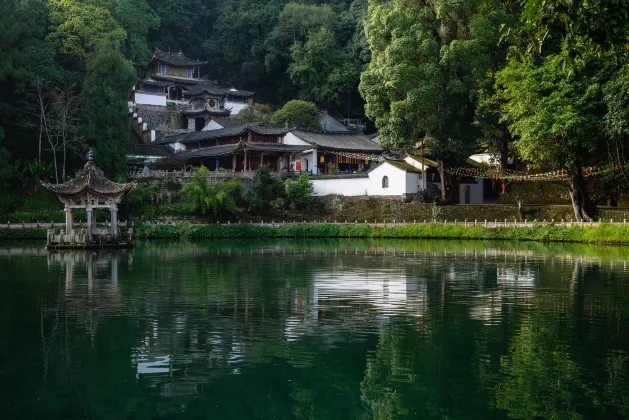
<point>603,233</point>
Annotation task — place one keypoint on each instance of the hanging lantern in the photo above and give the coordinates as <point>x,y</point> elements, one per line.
<point>322,159</point>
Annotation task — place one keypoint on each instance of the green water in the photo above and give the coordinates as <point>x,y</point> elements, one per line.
<point>315,330</point>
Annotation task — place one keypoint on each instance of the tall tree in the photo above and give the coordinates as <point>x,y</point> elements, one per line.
<point>136,17</point>
<point>585,27</point>
<point>105,126</point>
<point>421,82</point>
<point>184,25</point>
<point>6,169</point>
<point>79,29</point>
<point>296,113</point>
<point>320,70</point>
<point>557,118</point>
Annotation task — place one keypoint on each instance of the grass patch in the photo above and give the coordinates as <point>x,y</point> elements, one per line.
<point>602,234</point>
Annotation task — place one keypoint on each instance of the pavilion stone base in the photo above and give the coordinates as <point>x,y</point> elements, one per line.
<point>56,240</point>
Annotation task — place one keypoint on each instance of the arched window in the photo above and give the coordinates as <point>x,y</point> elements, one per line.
<point>385,182</point>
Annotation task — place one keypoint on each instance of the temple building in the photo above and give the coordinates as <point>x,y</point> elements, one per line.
<point>172,78</point>
<point>242,148</point>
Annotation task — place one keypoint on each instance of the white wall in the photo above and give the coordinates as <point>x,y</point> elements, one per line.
<point>290,138</point>
<point>476,192</point>
<point>343,186</point>
<point>397,180</point>
<point>308,162</point>
<point>144,98</point>
<point>236,107</point>
<point>412,183</point>
<point>212,125</point>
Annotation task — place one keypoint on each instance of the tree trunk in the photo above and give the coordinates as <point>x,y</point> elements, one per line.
<point>41,130</point>
<point>504,152</point>
<point>54,158</point>
<point>63,165</point>
<point>442,175</point>
<point>584,209</point>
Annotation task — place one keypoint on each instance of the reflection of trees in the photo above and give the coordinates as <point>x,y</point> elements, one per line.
<point>338,329</point>
<point>541,379</point>
<point>553,368</point>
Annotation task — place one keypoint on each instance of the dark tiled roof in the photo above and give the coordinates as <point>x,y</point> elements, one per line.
<point>339,141</point>
<point>175,79</point>
<point>148,150</point>
<point>207,111</point>
<point>151,82</point>
<point>232,131</point>
<point>329,123</point>
<point>209,88</point>
<point>241,93</point>
<point>89,180</point>
<point>224,122</point>
<point>233,148</point>
<point>400,164</point>
<point>210,151</point>
<point>273,147</point>
<point>176,59</point>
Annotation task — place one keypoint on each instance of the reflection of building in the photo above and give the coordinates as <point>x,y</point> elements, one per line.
<point>342,302</point>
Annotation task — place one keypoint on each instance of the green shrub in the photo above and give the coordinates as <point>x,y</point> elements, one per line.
<point>263,188</point>
<point>143,194</point>
<point>299,193</point>
<point>218,198</point>
<point>332,169</point>
<point>278,204</point>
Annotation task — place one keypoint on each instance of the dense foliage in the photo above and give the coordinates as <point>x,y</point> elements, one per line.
<point>300,192</point>
<point>264,189</point>
<point>206,197</point>
<point>543,80</point>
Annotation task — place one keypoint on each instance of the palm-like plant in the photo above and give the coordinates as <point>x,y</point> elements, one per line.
<point>217,198</point>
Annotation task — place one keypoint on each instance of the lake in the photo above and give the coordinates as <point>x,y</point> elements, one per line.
<point>336,329</point>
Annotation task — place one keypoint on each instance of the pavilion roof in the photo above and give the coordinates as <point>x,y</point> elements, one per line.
<point>89,180</point>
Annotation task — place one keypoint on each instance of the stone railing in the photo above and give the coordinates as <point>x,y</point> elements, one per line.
<point>185,174</point>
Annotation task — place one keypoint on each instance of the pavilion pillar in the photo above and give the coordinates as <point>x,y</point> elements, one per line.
<point>234,163</point>
<point>69,221</point>
<point>261,159</point>
<point>245,163</point>
<point>89,223</point>
<point>114,220</point>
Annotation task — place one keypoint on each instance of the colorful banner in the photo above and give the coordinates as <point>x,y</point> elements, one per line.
<point>510,175</point>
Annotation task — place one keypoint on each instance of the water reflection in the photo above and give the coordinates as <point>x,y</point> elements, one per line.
<point>330,329</point>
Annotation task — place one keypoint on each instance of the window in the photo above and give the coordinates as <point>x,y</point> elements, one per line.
<point>385,182</point>
<point>212,103</point>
